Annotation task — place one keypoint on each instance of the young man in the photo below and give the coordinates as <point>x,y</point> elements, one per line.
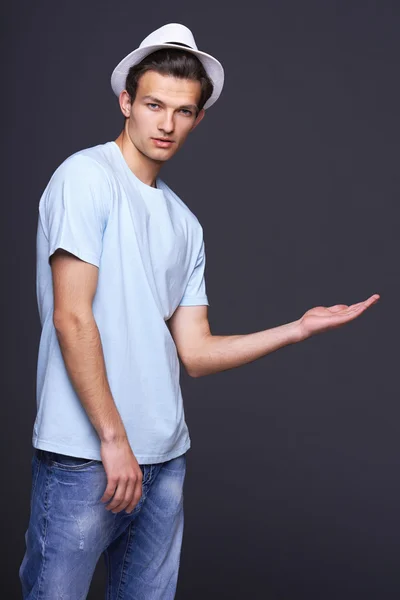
<point>121,294</point>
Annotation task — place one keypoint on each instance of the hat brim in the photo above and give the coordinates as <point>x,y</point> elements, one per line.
<point>212,66</point>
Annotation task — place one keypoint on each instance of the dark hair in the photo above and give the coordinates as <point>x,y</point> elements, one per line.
<point>175,62</point>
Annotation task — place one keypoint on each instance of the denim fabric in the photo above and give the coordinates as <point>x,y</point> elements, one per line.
<point>69,529</point>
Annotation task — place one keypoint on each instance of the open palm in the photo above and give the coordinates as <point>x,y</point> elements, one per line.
<point>321,318</point>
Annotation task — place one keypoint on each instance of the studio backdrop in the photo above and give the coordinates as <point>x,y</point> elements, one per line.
<point>292,488</point>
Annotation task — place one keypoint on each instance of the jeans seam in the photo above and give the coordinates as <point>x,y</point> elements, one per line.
<point>123,572</point>
<point>107,557</point>
<point>148,470</point>
<point>44,531</point>
<point>64,467</point>
<point>36,476</point>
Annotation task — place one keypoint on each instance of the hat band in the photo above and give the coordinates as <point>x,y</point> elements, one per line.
<point>179,44</point>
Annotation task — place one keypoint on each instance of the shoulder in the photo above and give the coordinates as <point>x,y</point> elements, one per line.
<point>83,166</point>
<point>79,181</point>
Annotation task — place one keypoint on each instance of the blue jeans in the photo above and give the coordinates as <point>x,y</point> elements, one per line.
<point>69,528</point>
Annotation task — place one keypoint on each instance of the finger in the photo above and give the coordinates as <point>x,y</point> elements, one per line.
<point>118,496</point>
<point>365,303</point>
<point>351,313</point>
<point>343,312</point>
<point>337,307</point>
<point>130,488</point>
<point>357,305</point>
<point>110,489</point>
<point>347,315</point>
<point>342,307</point>
<point>371,300</point>
<point>135,499</point>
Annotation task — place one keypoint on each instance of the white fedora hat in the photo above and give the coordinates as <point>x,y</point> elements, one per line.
<point>172,35</point>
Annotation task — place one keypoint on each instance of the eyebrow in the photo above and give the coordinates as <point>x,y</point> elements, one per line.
<point>157,101</point>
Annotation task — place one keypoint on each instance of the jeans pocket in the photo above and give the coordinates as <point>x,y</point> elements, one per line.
<point>74,463</point>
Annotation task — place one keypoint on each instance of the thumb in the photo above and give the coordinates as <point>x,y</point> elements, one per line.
<point>337,307</point>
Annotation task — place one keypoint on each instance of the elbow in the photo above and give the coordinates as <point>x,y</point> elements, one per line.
<point>192,369</point>
<point>62,322</point>
<point>194,374</point>
<point>196,370</point>
<point>68,321</point>
<point>59,322</point>
<point>197,361</point>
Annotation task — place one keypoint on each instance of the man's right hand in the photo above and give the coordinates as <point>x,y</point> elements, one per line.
<point>124,475</point>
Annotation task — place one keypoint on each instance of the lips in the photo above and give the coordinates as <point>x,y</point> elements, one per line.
<point>162,143</point>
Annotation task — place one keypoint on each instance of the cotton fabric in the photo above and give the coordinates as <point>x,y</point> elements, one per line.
<point>149,249</point>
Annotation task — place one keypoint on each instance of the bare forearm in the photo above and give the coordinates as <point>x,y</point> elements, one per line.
<point>222,352</point>
<point>81,348</point>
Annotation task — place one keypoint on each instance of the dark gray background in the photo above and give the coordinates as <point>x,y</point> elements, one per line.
<point>292,489</point>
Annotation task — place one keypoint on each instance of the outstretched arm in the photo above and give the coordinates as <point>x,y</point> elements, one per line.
<point>203,353</point>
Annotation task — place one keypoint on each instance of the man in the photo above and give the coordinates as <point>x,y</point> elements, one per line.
<point>121,295</point>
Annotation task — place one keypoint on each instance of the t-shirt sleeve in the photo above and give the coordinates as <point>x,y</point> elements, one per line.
<point>195,293</point>
<point>74,208</point>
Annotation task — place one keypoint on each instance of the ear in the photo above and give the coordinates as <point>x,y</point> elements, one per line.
<point>125,103</point>
<point>199,118</point>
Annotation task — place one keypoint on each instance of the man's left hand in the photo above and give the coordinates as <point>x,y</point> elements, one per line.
<point>321,318</point>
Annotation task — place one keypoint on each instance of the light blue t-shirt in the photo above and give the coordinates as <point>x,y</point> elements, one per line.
<point>149,249</point>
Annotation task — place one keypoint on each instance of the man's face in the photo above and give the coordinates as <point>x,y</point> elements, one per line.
<point>164,107</point>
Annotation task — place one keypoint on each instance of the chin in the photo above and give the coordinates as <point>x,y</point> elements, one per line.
<point>161,154</point>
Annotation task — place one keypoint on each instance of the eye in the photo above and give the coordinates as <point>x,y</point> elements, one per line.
<point>187,112</point>
<point>151,104</point>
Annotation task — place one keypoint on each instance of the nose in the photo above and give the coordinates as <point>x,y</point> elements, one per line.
<point>166,123</point>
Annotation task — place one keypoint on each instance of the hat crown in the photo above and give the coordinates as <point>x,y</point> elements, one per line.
<point>170,33</point>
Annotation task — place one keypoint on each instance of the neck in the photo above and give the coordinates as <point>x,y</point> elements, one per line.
<point>145,169</point>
